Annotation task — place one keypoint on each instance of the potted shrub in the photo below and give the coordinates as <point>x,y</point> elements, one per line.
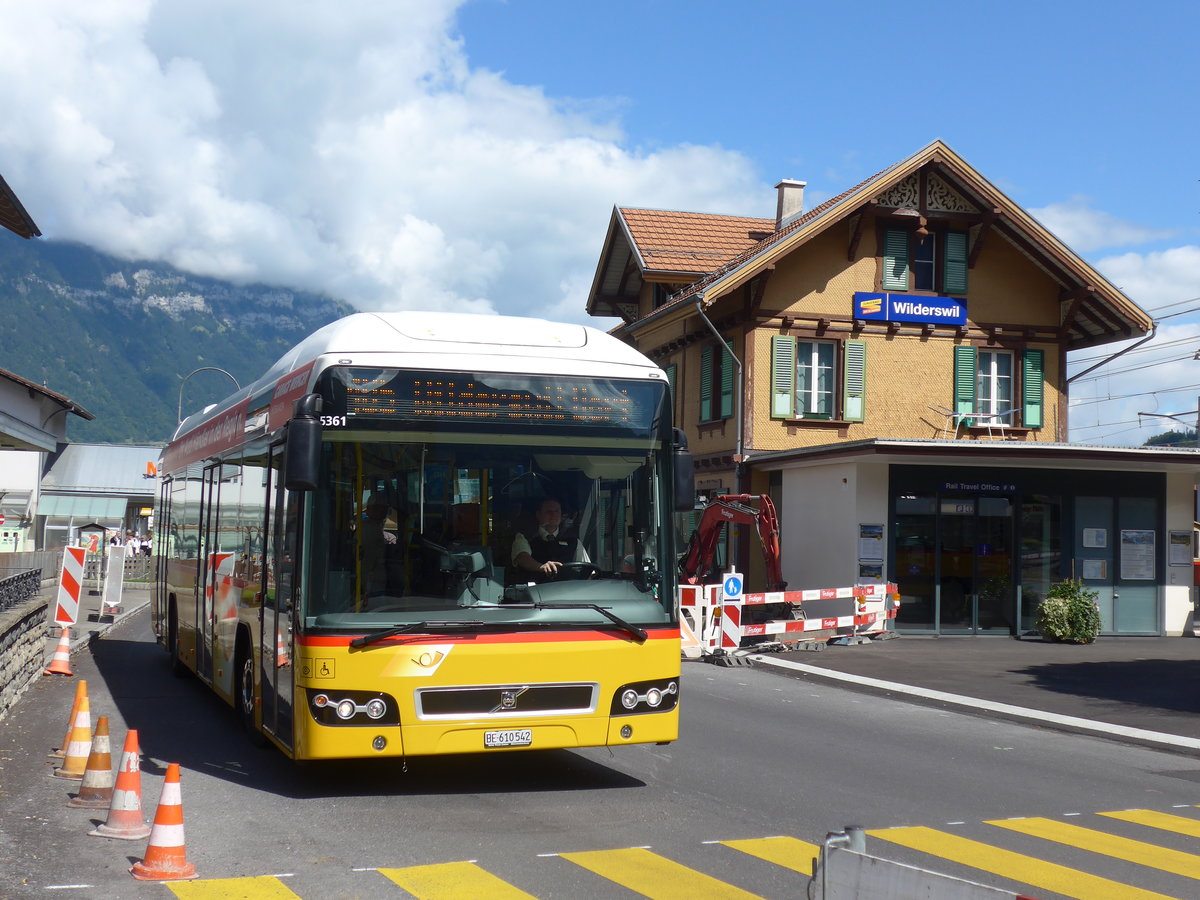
<point>1069,614</point>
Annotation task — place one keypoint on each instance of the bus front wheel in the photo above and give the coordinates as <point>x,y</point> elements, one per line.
<point>178,669</point>
<point>244,694</point>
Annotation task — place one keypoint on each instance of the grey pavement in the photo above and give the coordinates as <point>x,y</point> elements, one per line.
<point>1145,690</point>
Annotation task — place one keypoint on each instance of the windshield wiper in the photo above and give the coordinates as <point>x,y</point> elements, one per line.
<point>376,636</point>
<point>638,634</point>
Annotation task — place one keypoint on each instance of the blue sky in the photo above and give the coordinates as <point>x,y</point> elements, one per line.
<point>466,154</point>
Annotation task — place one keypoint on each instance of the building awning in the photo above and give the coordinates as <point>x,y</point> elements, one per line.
<point>82,506</point>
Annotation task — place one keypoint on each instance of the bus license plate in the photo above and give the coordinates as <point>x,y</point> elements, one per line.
<point>516,737</point>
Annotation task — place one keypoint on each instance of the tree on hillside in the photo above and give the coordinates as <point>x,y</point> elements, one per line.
<point>1186,438</point>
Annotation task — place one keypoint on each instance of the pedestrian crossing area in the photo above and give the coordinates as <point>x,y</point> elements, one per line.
<point>1135,854</point>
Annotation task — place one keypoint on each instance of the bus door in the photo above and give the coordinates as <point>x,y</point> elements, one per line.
<point>163,522</point>
<point>275,652</point>
<point>210,499</point>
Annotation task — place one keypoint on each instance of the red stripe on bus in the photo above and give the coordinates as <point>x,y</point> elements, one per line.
<point>658,634</point>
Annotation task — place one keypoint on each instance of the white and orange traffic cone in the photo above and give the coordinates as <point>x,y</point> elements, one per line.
<point>79,746</point>
<point>96,789</point>
<point>166,854</point>
<point>60,663</point>
<point>281,655</point>
<point>80,693</point>
<point>124,821</point>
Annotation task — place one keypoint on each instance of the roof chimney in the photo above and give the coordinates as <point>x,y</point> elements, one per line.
<point>791,201</point>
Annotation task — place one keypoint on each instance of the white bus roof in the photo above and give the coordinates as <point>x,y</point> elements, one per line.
<point>453,341</point>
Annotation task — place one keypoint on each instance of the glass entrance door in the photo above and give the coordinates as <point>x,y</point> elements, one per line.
<point>975,565</point>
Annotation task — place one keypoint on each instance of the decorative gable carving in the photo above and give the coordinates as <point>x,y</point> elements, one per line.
<point>939,196</point>
<point>903,195</point>
<point>942,197</point>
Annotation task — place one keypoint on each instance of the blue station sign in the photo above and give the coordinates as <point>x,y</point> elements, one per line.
<point>909,308</point>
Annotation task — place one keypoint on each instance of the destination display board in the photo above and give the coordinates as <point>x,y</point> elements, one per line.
<point>501,399</point>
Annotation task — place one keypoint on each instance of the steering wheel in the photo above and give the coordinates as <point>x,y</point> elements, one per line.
<point>574,571</point>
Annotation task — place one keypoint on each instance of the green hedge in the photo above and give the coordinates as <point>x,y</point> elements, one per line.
<point>1069,614</point>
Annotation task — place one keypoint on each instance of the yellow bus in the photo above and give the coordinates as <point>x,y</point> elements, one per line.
<point>356,550</point>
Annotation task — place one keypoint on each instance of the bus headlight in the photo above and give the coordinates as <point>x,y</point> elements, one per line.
<point>376,708</point>
<point>659,695</point>
<point>353,708</point>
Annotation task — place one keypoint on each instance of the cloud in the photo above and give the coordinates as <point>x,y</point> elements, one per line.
<point>1084,229</point>
<point>350,149</point>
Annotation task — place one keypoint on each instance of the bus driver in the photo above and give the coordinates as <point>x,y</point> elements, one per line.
<point>543,554</point>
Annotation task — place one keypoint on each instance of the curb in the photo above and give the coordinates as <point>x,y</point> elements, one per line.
<point>1156,739</point>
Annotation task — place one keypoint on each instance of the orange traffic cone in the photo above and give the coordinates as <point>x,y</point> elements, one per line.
<point>96,789</point>
<point>166,856</point>
<point>281,656</point>
<point>80,693</point>
<point>80,745</point>
<point>60,663</point>
<point>124,820</point>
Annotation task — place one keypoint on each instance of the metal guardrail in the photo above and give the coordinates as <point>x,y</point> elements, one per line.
<point>19,588</point>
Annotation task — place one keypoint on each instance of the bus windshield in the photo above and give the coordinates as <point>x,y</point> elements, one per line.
<point>440,494</point>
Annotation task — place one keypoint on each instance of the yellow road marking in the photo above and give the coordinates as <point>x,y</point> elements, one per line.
<point>443,881</point>
<point>1162,821</point>
<point>261,887</point>
<point>1175,861</point>
<point>789,852</point>
<point>655,876</point>
<point>1016,866</point>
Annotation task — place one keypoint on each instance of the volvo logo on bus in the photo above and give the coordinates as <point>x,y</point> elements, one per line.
<point>508,699</point>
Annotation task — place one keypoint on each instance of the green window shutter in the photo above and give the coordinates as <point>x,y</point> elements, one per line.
<point>672,372</point>
<point>854,391</point>
<point>783,376</point>
<point>954,269</point>
<point>964,381</point>
<point>1032,387</point>
<point>727,368</point>
<point>895,259</point>
<point>706,384</point>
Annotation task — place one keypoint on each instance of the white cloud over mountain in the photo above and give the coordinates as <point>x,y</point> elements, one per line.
<point>353,150</point>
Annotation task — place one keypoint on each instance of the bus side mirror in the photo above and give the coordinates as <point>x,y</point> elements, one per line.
<point>301,466</point>
<point>685,473</point>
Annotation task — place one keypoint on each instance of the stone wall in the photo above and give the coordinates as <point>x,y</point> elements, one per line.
<point>22,649</point>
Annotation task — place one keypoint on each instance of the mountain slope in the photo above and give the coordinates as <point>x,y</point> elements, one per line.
<point>120,337</point>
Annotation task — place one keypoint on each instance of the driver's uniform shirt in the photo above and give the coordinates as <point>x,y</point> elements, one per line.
<point>546,547</point>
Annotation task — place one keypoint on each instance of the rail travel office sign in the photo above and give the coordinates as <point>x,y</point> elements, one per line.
<point>921,309</point>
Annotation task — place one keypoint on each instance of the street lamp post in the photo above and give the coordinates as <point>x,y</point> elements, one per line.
<point>179,411</point>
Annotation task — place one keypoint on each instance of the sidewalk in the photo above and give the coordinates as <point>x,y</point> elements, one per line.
<point>90,624</point>
<point>1142,689</point>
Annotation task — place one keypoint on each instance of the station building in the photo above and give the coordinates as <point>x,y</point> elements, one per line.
<point>890,367</point>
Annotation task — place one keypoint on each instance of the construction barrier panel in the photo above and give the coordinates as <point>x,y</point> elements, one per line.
<point>718,618</point>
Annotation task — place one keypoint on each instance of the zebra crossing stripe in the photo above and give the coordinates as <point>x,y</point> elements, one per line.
<point>1162,858</point>
<point>261,887</point>
<point>1015,866</point>
<point>1161,821</point>
<point>789,852</point>
<point>654,876</point>
<point>452,881</point>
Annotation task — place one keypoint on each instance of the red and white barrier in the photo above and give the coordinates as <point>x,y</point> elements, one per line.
<point>66,609</point>
<point>715,618</point>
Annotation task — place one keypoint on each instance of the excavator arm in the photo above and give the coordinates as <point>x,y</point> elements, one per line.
<point>738,509</point>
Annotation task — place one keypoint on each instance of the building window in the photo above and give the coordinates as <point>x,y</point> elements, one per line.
<point>987,387</point>
<point>815,379</point>
<point>716,383</point>
<point>807,382</point>
<point>994,386</point>
<point>935,262</point>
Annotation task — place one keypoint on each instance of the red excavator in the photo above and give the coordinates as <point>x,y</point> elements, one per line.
<point>697,564</point>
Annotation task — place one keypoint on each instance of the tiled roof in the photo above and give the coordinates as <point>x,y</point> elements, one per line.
<point>672,241</point>
<point>774,237</point>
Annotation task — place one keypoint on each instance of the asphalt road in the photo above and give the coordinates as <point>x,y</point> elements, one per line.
<point>762,755</point>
